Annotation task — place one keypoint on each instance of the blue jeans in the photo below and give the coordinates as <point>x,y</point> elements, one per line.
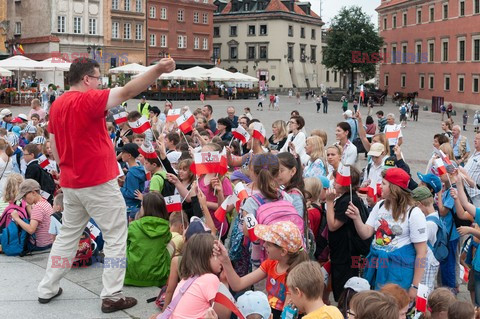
<point>476,275</point>
<point>447,267</point>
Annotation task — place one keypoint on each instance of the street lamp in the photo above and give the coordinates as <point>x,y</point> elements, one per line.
<point>94,48</point>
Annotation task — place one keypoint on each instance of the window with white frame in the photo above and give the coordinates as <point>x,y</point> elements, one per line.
<point>205,18</point>
<point>394,54</point>
<point>205,1</point>
<point>445,11</point>
<point>476,48</point>
<point>475,83</point>
<point>205,44</point>
<point>181,15</point>
<point>421,83</point>
<point>394,21</point>
<point>92,26</point>
<point>432,13</point>
<point>195,17</point>
<point>404,23</point>
<point>153,12</point>
<point>182,41</point>
<point>18,28</point>
<point>419,15</point>
<point>431,50</point>
<point>163,13</point>
<point>405,59</point>
<point>163,40</point>
<point>444,50</point>
<point>461,49</point>
<point>461,83</point>
<point>61,24</point>
<point>153,39</point>
<point>138,6</point>
<point>115,30</point>
<point>384,23</point>
<point>446,82</point>
<point>126,5</point>
<point>139,32</point>
<point>403,80</point>
<point>418,52</point>
<point>476,6</point>
<point>461,8</point>
<point>115,4</point>
<point>196,43</point>
<point>431,81</point>
<point>77,25</point>
<point>127,31</point>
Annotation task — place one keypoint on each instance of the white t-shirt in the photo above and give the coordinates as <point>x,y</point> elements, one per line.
<point>390,234</point>
<point>432,229</point>
<point>349,155</point>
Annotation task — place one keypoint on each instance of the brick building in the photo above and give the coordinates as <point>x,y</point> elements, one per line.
<point>181,29</point>
<point>431,47</point>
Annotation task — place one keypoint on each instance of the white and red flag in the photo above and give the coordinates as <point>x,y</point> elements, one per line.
<point>173,114</point>
<point>259,132</point>
<point>241,193</point>
<point>374,189</point>
<point>343,177</point>
<point>140,125</point>
<point>241,134</point>
<point>422,295</point>
<point>147,150</point>
<point>250,221</point>
<point>206,162</point>
<point>120,118</point>
<point>225,298</point>
<point>94,231</point>
<point>43,161</point>
<point>223,162</point>
<point>441,170</point>
<point>221,211</point>
<point>185,122</point>
<point>174,203</point>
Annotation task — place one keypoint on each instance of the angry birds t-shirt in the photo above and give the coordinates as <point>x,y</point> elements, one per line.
<point>390,235</point>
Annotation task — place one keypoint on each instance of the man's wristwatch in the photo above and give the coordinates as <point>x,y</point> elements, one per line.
<point>413,286</point>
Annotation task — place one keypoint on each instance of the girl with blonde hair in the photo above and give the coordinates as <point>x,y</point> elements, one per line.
<point>279,136</point>
<point>316,165</point>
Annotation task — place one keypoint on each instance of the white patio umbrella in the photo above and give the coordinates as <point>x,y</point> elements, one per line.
<point>20,62</point>
<point>245,78</point>
<point>5,72</point>
<point>218,74</point>
<point>180,75</point>
<point>56,63</point>
<point>197,72</point>
<point>132,68</point>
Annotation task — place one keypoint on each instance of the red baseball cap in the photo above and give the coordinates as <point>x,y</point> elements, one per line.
<point>399,177</point>
<point>17,120</point>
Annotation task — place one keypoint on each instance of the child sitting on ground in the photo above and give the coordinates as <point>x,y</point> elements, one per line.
<point>305,288</point>
<point>148,236</point>
<point>178,224</point>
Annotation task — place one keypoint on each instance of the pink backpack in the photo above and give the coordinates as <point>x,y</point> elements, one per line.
<point>280,210</point>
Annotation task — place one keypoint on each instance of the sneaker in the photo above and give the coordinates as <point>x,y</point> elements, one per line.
<point>47,300</point>
<point>109,305</point>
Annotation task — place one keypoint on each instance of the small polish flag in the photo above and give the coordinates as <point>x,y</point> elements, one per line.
<point>343,175</point>
<point>241,194</point>
<point>147,150</point>
<point>94,231</point>
<point>259,132</point>
<point>441,170</point>
<point>173,115</point>
<point>241,134</point>
<point>140,125</point>
<point>44,194</point>
<point>250,221</point>
<point>43,161</point>
<point>223,162</point>
<point>464,271</point>
<point>120,118</point>
<point>225,298</point>
<point>422,295</point>
<point>221,211</point>
<point>206,162</point>
<point>449,166</point>
<point>148,175</point>
<point>392,136</point>
<point>373,190</point>
<point>174,203</point>
<point>185,122</point>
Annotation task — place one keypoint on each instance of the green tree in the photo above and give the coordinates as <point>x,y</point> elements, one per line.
<point>353,43</point>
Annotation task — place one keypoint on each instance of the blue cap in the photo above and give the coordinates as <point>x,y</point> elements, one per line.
<point>325,182</point>
<point>432,181</point>
<point>254,302</point>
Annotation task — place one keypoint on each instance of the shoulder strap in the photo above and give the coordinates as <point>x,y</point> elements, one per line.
<point>173,304</point>
<point>369,166</point>
<point>258,198</point>
<point>58,216</point>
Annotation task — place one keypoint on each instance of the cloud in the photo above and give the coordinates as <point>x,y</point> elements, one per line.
<point>330,8</point>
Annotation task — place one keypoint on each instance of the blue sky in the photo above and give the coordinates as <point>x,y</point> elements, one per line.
<point>331,7</point>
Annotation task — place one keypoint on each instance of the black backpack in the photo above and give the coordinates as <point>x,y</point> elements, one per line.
<point>168,188</point>
<point>47,184</point>
<point>52,98</point>
<point>322,249</point>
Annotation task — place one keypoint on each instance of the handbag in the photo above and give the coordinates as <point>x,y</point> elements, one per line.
<point>358,142</point>
<point>173,304</point>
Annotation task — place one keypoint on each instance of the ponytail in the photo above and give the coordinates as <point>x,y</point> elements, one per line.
<point>296,258</point>
<point>266,167</point>
<point>290,161</point>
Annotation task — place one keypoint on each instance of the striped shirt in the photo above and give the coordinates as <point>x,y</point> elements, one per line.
<point>473,169</point>
<point>41,212</point>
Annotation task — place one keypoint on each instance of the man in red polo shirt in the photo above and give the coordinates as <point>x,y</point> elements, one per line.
<point>82,147</point>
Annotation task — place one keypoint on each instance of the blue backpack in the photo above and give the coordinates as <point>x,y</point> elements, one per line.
<point>440,248</point>
<point>14,239</point>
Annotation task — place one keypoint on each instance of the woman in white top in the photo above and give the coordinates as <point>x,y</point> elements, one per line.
<point>6,163</point>
<point>296,138</point>
<point>343,134</point>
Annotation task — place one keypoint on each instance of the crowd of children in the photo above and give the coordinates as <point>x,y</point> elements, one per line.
<point>305,228</point>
